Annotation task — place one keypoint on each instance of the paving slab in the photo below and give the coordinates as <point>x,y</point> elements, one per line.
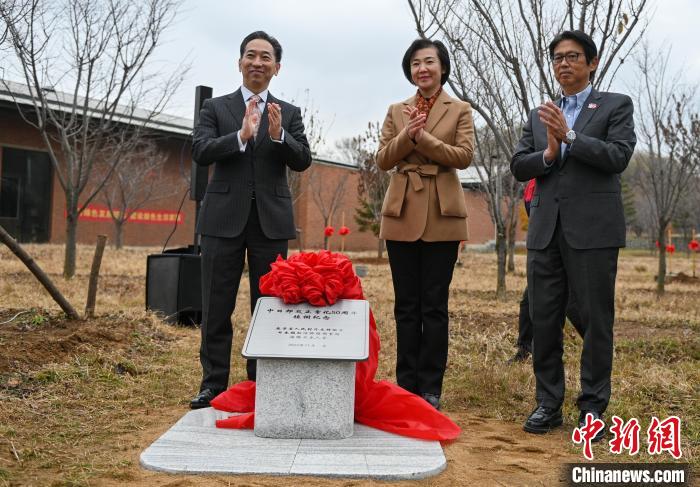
<point>195,445</point>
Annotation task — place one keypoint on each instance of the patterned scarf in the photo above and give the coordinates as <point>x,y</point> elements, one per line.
<point>425,104</point>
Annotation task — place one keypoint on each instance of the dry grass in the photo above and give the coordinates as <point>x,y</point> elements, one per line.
<point>77,417</point>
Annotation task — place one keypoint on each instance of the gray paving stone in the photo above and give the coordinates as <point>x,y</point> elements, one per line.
<point>195,445</point>
<point>303,398</point>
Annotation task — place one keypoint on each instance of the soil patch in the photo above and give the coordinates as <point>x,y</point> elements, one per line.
<point>682,277</point>
<point>35,338</point>
<point>370,260</point>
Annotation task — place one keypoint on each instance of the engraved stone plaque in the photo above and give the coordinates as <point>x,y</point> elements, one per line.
<point>337,332</point>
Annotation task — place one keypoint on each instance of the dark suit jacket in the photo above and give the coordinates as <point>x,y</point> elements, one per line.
<point>583,186</point>
<point>261,168</point>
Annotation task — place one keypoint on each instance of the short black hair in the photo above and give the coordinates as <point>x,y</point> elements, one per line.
<point>419,44</point>
<point>581,38</point>
<point>259,34</point>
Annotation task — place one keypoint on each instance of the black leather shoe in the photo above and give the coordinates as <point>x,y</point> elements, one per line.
<point>543,419</point>
<point>520,356</point>
<point>202,399</point>
<point>432,399</point>
<point>596,415</point>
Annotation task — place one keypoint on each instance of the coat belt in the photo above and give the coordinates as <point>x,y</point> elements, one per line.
<point>415,171</point>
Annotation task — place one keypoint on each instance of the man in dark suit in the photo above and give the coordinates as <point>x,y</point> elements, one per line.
<point>251,138</point>
<point>576,148</point>
<point>524,342</point>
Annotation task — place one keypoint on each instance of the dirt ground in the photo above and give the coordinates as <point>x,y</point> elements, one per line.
<point>489,451</point>
<point>81,400</point>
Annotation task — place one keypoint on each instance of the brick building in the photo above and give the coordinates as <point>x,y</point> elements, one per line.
<point>32,203</point>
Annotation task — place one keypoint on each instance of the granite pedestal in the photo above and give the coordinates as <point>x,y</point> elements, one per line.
<point>194,445</point>
<point>303,398</point>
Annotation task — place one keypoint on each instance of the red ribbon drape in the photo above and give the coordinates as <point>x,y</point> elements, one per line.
<point>321,278</point>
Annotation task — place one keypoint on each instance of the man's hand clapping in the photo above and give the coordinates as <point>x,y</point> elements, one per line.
<point>274,114</point>
<point>553,119</point>
<point>251,121</point>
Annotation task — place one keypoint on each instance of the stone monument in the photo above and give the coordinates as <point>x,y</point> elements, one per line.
<point>305,384</point>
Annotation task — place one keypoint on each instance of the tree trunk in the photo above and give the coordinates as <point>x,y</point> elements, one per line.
<point>501,252</point>
<point>118,234</point>
<point>511,249</point>
<point>661,273</point>
<point>71,235</point>
<point>38,273</point>
<point>380,248</point>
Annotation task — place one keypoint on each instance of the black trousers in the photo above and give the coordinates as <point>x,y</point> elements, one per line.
<point>421,272</point>
<point>590,274</point>
<point>525,323</point>
<point>222,266</point>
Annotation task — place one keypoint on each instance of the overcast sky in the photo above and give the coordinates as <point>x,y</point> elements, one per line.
<point>346,54</point>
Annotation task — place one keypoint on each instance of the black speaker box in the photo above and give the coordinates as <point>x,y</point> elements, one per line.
<point>174,286</point>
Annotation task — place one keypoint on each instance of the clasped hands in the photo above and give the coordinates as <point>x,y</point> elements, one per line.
<point>553,119</point>
<point>416,123</point>
<point>251,121</point>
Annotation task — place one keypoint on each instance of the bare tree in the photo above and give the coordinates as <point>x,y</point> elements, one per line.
<point>665,125</point>
<point>500,65</point>
<point>327,198</point>
<point>362,152</point>
<point>502,193</point>
<point>137,179</point>
<point>315,132</point>
<point>83,65</point>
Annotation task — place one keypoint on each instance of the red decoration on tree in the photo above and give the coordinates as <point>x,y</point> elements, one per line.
<point>658,246</point>
<point>343,231</point>
<point>328,231</point>
<point>694,245</point>
<point>321,278</point>
<point>670,248</point>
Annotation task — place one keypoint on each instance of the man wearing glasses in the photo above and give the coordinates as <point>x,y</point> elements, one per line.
<point>576,147</point>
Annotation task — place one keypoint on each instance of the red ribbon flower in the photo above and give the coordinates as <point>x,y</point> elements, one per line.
<point>318,278</point>
<point>694,245</point>
<point>343,230</point>
<point>670,248</point>
<point>328,231</point>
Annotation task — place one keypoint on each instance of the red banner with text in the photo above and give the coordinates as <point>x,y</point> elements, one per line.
<point>98,213</point>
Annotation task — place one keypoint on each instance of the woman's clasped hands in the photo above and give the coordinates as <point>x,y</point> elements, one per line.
<point>416,123</point>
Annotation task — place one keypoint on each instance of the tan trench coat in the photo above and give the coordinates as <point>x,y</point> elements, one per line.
<point>425,199</point>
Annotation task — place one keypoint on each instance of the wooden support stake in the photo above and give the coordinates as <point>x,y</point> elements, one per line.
<point>41,276</point>
<point>94,276</point>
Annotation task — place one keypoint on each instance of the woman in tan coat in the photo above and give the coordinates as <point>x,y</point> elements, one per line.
<point>424,140</point>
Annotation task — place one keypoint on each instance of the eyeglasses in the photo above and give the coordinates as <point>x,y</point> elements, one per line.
<point>571,57</point>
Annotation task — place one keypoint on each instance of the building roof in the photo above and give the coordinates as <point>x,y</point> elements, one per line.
<point>469,177</point>
<point>328,162</point>
<point>13,92</point>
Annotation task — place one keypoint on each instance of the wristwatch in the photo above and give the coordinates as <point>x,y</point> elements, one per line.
<point>570,137</point>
